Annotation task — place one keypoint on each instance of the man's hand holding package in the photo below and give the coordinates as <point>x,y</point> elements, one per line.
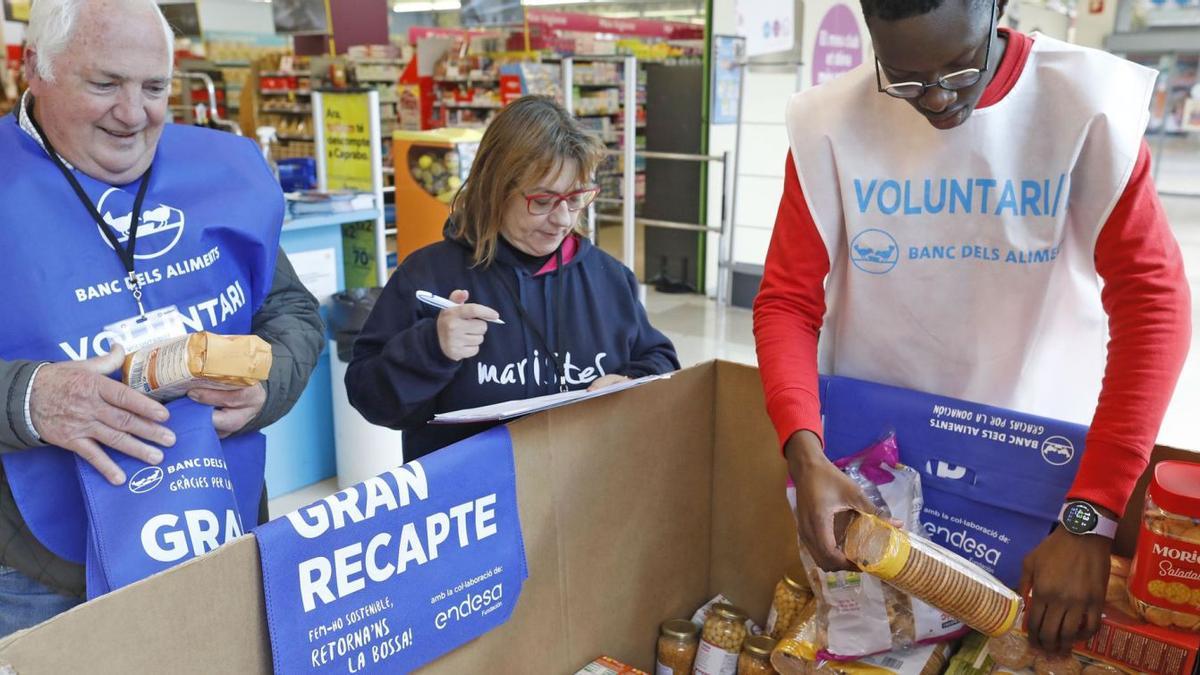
<point>75,406</point>
<point>1065,580</point>
<point>232,409</point>
<point>822,492</point>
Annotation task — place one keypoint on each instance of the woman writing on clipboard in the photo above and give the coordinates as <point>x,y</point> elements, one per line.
<point>538,309</point>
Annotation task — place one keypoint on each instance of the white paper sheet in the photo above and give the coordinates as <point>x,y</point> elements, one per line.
<point>525,406</point>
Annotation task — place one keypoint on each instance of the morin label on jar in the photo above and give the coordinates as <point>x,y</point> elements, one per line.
<point>1167,572</point>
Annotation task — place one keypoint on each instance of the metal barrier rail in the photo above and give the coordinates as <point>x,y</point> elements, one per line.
<point>211,89</point>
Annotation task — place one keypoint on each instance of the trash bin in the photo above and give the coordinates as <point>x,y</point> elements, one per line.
<point>362,449</point>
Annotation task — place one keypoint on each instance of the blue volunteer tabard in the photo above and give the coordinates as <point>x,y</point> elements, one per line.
<point>392,573</point>
<point>993,479</point>
<point>207,244</point>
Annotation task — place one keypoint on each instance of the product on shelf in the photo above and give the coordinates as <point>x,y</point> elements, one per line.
<point>677,645</point>
<point>1164,581</point>
<point>924,570</point>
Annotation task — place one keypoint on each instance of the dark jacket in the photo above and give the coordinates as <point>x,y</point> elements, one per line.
<point>588,313</point>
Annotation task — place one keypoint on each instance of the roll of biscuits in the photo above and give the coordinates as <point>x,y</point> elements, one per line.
<point>931,574</point>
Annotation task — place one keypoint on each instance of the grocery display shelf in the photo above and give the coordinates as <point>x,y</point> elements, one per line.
<point>288,137</point>
<point>284,92</point>
<point>466,106</point>
<point>285,111</point>
<point>468,80</point>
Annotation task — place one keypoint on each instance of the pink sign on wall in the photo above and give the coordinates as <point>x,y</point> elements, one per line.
<point>838,46</point>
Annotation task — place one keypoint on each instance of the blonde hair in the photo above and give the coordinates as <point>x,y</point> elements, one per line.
<point>528,140</point>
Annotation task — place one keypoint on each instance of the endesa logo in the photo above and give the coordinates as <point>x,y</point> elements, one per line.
<point>474,603</point>
<point>964,542</point>
<point>145,480</point>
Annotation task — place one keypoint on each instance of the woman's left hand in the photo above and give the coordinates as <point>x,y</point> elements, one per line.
<point>606,381</point>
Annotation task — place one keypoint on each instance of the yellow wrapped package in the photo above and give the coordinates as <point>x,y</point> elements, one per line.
<point>168,370</point>
<point>926,571</point>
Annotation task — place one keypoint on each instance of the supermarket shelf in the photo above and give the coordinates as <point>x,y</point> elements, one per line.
<point>285,111</point>
<point>231,64</point>
<point>465,106</point>
<point>599,85</point>
<point>304,139</point>
<point>468,80</point>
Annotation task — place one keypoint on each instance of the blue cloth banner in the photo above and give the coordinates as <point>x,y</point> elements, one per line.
<point>994,479</point>
<point>391,573</point>
<point>165,514</point>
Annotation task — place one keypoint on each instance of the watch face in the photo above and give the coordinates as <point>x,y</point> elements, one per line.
<point>1080,518</point>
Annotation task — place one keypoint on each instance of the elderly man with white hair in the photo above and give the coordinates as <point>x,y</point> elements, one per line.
<point>89,164</point>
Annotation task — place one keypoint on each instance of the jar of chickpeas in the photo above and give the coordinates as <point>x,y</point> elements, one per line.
<point>755,658</point>
<point>791,594</point>
<point>1164,582</point>
<point>677,644</point>
<point>721,641</point>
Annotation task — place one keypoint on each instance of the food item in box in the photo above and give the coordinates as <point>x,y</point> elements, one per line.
<point>1056,665</point>
<point>721,641</point>
<point>796,652</point>
<point>677,645</point>
<point>858,615</point>
<point>701,615</point>
<point>1012,651</point>
<point>1164,582</point>
<point>755,658</point>
<point>608,666</point>
<point>167,370</point>
<point>791,594</point>
<point>933,574</point>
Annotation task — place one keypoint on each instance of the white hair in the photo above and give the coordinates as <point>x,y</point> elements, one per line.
<point>52,24</point>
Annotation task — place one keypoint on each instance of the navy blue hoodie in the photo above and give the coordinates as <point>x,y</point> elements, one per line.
<point>399,377</point>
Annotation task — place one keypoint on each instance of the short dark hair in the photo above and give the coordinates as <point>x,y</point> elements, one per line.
<point>894,10</point>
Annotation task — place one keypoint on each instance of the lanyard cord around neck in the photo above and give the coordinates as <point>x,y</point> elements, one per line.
<point>125,253</point>
<point>559,369</point>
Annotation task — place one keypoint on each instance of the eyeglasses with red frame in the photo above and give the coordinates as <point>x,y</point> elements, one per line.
<point>543,203</point>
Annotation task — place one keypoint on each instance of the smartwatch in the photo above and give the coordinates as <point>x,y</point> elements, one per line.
<point>1079,517</point>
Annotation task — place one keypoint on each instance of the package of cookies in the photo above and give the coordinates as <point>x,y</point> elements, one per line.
<point>857,615</point>
<point>170,369</point>
<point>1164,581</point>
<point>929,572</point>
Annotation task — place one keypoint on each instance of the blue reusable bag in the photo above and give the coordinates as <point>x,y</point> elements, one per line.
<point>994,479</point>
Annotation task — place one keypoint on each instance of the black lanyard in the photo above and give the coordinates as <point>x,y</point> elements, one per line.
<point>558,322</point>
<point>124,253</point>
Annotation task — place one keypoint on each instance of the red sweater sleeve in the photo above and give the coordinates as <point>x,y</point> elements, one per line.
<point>788,312</point>
<point>1148,303</point>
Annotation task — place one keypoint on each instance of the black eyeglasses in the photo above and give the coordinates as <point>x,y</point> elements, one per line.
<point>959,79</point>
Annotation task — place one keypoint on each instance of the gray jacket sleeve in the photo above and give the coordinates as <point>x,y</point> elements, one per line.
<point>14,380</point>
<point>290,321</point>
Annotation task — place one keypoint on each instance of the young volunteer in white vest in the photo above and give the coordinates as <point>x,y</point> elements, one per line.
<point>88,136</point>
<point>973,215</point>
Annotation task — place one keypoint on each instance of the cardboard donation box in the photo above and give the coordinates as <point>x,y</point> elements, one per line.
<point>634,508</point>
